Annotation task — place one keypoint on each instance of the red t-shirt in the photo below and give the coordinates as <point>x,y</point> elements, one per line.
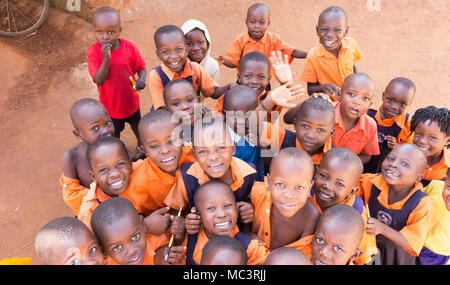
<point>117,94</point>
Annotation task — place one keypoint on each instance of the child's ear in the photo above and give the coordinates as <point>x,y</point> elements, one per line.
<point>419,178</point>
<point>332,131</point>
<point>76,133</point>
<point>317,30</point>
<point>356,255</point>
<point>238,77</point>
<point>91,173</point>
<point>141,220</point>
<point>346,30</point>
<point>234,147</point>
<point>268,181</point>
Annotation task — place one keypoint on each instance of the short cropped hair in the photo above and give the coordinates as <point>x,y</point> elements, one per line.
<point>226,243</point>
<point>81,103</point>
<point>359,74</point>
<point>317,104</point>
<point>404,82</point>
<point>439,115</point>
<point>164,30</point>
<point>55,232</point>
<point>294,153</point>
<point>218,122</point>
<point>347,217</point>
<point>103,141</point>
<point>174,82</point>
<point>110,212</point>
<point>254,56</point>
<point>335,9</point>
<point>204,187</point>
<point>345,155</point>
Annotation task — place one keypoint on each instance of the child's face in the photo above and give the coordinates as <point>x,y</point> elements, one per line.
<point>111,169</point>
<point>334,182</point>
<point>223,256</point>
<point>160,147</point>
<point>429,138</point>
<point>331,245</point>
<point>401,167</point>
<point>83,250</point>
<point>197,45</point>
<point>218,211</point>
<point>257,21</point>
<point>356,97</point>
<point>92,124</point>
<point>181,100</point>
<point>290,182</point>
<point>254,74</point>
<point>171,50</point>
<point>107,29</point>
<point>446,191</point>
<point>331,29</point>
<point>313,128</point>
<point>214,152</point>
<point>396,99</point>
<point>125,241</point>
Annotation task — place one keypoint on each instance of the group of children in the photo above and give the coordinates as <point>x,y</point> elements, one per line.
<point>229,186</point>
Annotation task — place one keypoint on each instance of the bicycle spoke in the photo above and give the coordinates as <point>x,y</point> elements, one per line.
<point>22,13</point>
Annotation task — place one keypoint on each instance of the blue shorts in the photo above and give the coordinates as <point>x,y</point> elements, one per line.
<point>133,120</point>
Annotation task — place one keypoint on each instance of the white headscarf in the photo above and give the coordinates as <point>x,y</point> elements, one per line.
<point>209,64</point>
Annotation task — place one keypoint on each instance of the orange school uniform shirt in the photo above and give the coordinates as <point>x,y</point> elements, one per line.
<point>323,67</point>
<point>419,219</point>
<point>256,251</point>
<point>362,138</point>
<point>368,243</point>
<point>405,134</point>
<point>280,138</point>
<point>153,243</point>
<point>200,79</point>
<point>93,198</point>
<point>262,202</point>
<point>438,170</point>
<point>151,185</point>
<point>73,192</point>
<point>243,44</point>
<point>178,197</point>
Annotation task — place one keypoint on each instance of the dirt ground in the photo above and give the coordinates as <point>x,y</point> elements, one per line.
<point>44,73</point>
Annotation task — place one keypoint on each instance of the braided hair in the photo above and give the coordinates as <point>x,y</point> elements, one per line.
<point>439,115</point>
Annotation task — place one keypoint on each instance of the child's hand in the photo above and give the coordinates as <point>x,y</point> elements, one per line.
<point>193,222</point>
<point>106,50</point>
<point>158,222</point>
<point>285,96</point>
<point>391,141</point>
<point>220,59</point>
<point>177,228</point>
<point>176,255</point>
<point>330,89</point>
<point>245,211</point>
<point>323,96</point>
<point>281,68</point>
<point>140,84</point>
<point>374,226</point>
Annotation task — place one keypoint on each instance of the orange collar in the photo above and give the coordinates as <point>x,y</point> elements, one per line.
<point>399,120</point>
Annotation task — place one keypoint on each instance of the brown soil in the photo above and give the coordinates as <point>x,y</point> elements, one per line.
<point>44,73</point>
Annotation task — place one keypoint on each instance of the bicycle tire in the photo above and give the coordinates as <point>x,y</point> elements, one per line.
<point>33,27</point>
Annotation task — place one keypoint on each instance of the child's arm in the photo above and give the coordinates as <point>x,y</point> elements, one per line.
<point>158,222</point>
<point>225,61</point>
<point>365,158</point>
<point>220,90</point>
<point>323,88</point>
<point>193,222</point>
<point>140,83</point>
<point>297,53</point>
<point>177,255</point>
<point>246,212</point>
<point>68,167</point>
<point>102,72</point>
<point>177,228</point>
<point>375,227</point>
<point>289,116</point>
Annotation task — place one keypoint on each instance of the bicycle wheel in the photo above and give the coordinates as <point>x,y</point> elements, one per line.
<point>20,17</point>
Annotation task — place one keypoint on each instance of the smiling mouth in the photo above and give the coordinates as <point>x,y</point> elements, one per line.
<point>329,43</point>
<point>168,160</point>
<point>117,183</point>
<point>136,259</point>
<point>215,166</point>
<point>318,262</point>
<point>391,173</point>
<point>323,196</point>
<point>354,111</point>
<point>222,225</point>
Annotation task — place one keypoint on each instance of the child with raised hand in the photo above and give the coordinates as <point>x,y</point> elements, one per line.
<point>287,256</point>
<point>90,121</point>
<point>223,250</point>
<point>171,50</point>
<point>257,38</point>
<point>338,233</point>
<point>400,214</point>
<point>333,59</point>
<point>121,232</point>
<point>198,43</point>
<point>218,212</point>
<point>393,122</point>
<point>436,250</point>
<point>431,133</point>
<point>111,62</point>
<point>67,241</point>
<point>284,216</point>
<point>336,182</point>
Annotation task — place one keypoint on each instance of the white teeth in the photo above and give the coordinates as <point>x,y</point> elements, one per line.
<point>215,165</point>
<point>324,196</point>
<point>317,262</point>
<point>222,224</point>
<point>392,173</point>
<point>168,159</point>
<point>118,183</point>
